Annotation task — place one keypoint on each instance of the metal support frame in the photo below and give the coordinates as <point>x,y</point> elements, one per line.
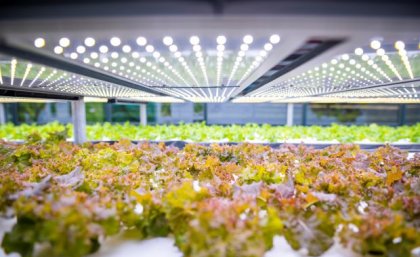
<point>2,114</point>
<point>143,114</point>
<point>289,117</point>
<point>401,114</point>
<point>205,113</point>
<point>304,114</point>
<point>79,120</point>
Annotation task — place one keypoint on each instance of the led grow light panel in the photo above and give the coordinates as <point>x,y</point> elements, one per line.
<point>378,63</point>
<point>18,74</point>
<point>170,64</point>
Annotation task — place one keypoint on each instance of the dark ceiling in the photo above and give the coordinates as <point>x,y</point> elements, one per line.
<point>17,9</point>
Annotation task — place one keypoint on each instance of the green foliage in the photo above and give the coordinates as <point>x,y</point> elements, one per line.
<point>199,132</point>
<point>215,201</point>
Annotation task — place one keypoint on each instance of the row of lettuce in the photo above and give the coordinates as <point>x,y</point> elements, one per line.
<point>215,201</point>
<point>199,132</point>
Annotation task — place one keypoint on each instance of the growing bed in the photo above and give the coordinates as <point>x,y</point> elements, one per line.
<point>208,200</point>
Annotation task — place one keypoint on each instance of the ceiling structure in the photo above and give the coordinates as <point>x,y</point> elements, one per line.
<point>225,54</point>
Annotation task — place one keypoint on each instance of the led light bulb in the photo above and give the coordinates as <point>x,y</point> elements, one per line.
<point>380,51</point>
<point>149,48</point>
<point>268,47</point>
<point>375,44</point>
<point>248,39</point>
<point>194,40</point>
<point>80,49</point>
<point>173,48</point>
<point>244,47</point>
<point>39,42</point>
<point>345,57</point>
<point>399,45</point>
<point>103,49</point>
<point>115,41</point>
<point>64,42</point>
<point>89,41</point>
<point>58,50</point>
<point>141,41</point>
<point>274,39</point>
<point>168,40</point>
<point>196,48</point>
<point>358,51</point>
<point>126,49</point>
<point>221,40</point>
<point>73,56</point>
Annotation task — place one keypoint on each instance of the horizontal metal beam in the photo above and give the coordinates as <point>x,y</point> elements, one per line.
<point>29,94</point>
<point>324,46</point>
<point>390,84</point>
<point>58,63</point>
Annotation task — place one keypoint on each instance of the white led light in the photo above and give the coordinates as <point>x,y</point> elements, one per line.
<point>58,50</point>
<point>89,42</point>
<point>194,40</point>
<point>248,39</point>
<point>365,57</point>
<point>358,51</point>
<point>156,54</point>
<point>380,51</point>
<point>268,47</point>
<point>244,47</point>
<point>103,49</point>
<point>80,49</point>
<point>114,55</point>
<point>86,60</point>
<point>220,47</point>
<point>135,55</point>
<point>126,49</point>
<point>196,48</point>
<point>168,40</point>
<point>115,41</point>
<point>73,56</point>
<point>173,48</point>
<point>150,48</point>
<point>345,57</point>
<point>39,42</point>
<point>64,42</point>
<point>399,45</point>
<point>274,39</point>
<point>141,41</point>
<point>221,40</point>
<point>94,55</point>
<point>375,44</point>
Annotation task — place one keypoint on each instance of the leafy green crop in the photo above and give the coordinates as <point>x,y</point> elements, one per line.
<point>199,132</point>
<point>215,201</point>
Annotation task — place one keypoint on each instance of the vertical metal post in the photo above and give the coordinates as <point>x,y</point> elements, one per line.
<point>289,117</point>
<point>2,114</point>
<point>304,113</point>
<point>205,113</point>
<point>79,120</point>
<point>14,110</point>
<point>108,112</point>
<point>143,114</point>
<point>401,114</point>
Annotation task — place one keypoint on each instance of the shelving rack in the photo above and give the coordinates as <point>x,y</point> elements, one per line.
<point>210,51</point>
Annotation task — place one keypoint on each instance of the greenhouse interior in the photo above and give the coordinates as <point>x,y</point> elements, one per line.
<point>209,128</point>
